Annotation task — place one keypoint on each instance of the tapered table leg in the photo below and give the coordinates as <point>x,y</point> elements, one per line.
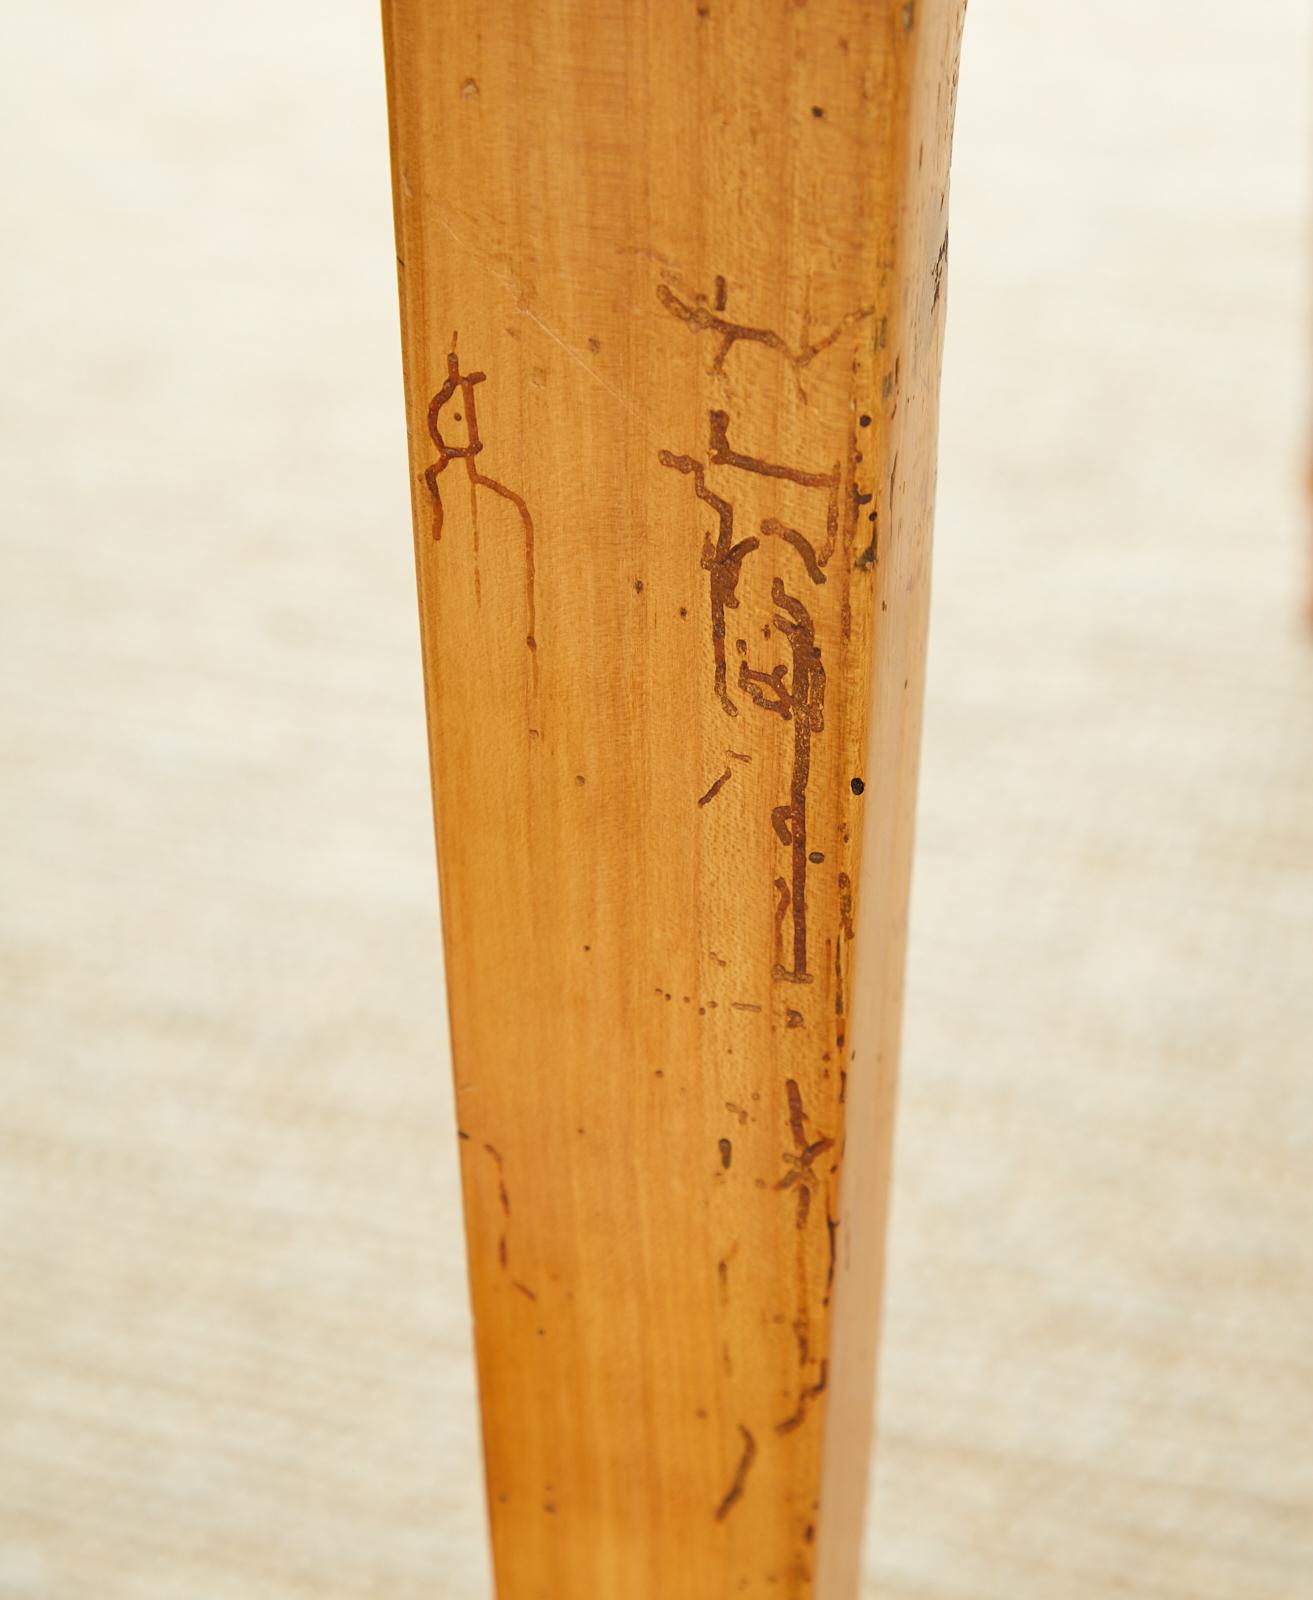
<point>672,287</point>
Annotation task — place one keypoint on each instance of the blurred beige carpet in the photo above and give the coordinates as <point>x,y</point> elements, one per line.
<point>234,1352</point>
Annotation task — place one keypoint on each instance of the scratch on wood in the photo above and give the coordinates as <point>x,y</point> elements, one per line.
<point>832,1229</point>
<point>795,692</point>
<point>797,1116</point>
<point>502,1195</point>
<point>804,706</point>
<point>735,1492</point>
<point>845,934</point>
<point>463,385</point>
<point>647,254</point>
<point>845,905</point>
<point>715,788</point>
<point>941,262</point>
<point>783,900</point>
<point>504,1201</point>
<point>801,1174</point>
<point>691,308</point>
<point>799,1415</point>
<point>720,453</point>
<point>721,561</point>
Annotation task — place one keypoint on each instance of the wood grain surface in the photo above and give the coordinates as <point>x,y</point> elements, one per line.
<point>672,283</point>
<point>235,1359</point>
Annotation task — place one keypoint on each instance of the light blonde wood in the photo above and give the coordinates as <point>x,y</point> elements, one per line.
<point>672,297</point>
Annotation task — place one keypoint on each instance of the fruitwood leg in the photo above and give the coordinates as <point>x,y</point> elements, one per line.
<point>672,288</point>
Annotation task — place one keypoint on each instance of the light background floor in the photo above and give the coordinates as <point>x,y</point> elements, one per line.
<point>234,1350</point>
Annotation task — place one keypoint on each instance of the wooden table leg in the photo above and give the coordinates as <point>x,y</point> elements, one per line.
<point>672,288</point>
